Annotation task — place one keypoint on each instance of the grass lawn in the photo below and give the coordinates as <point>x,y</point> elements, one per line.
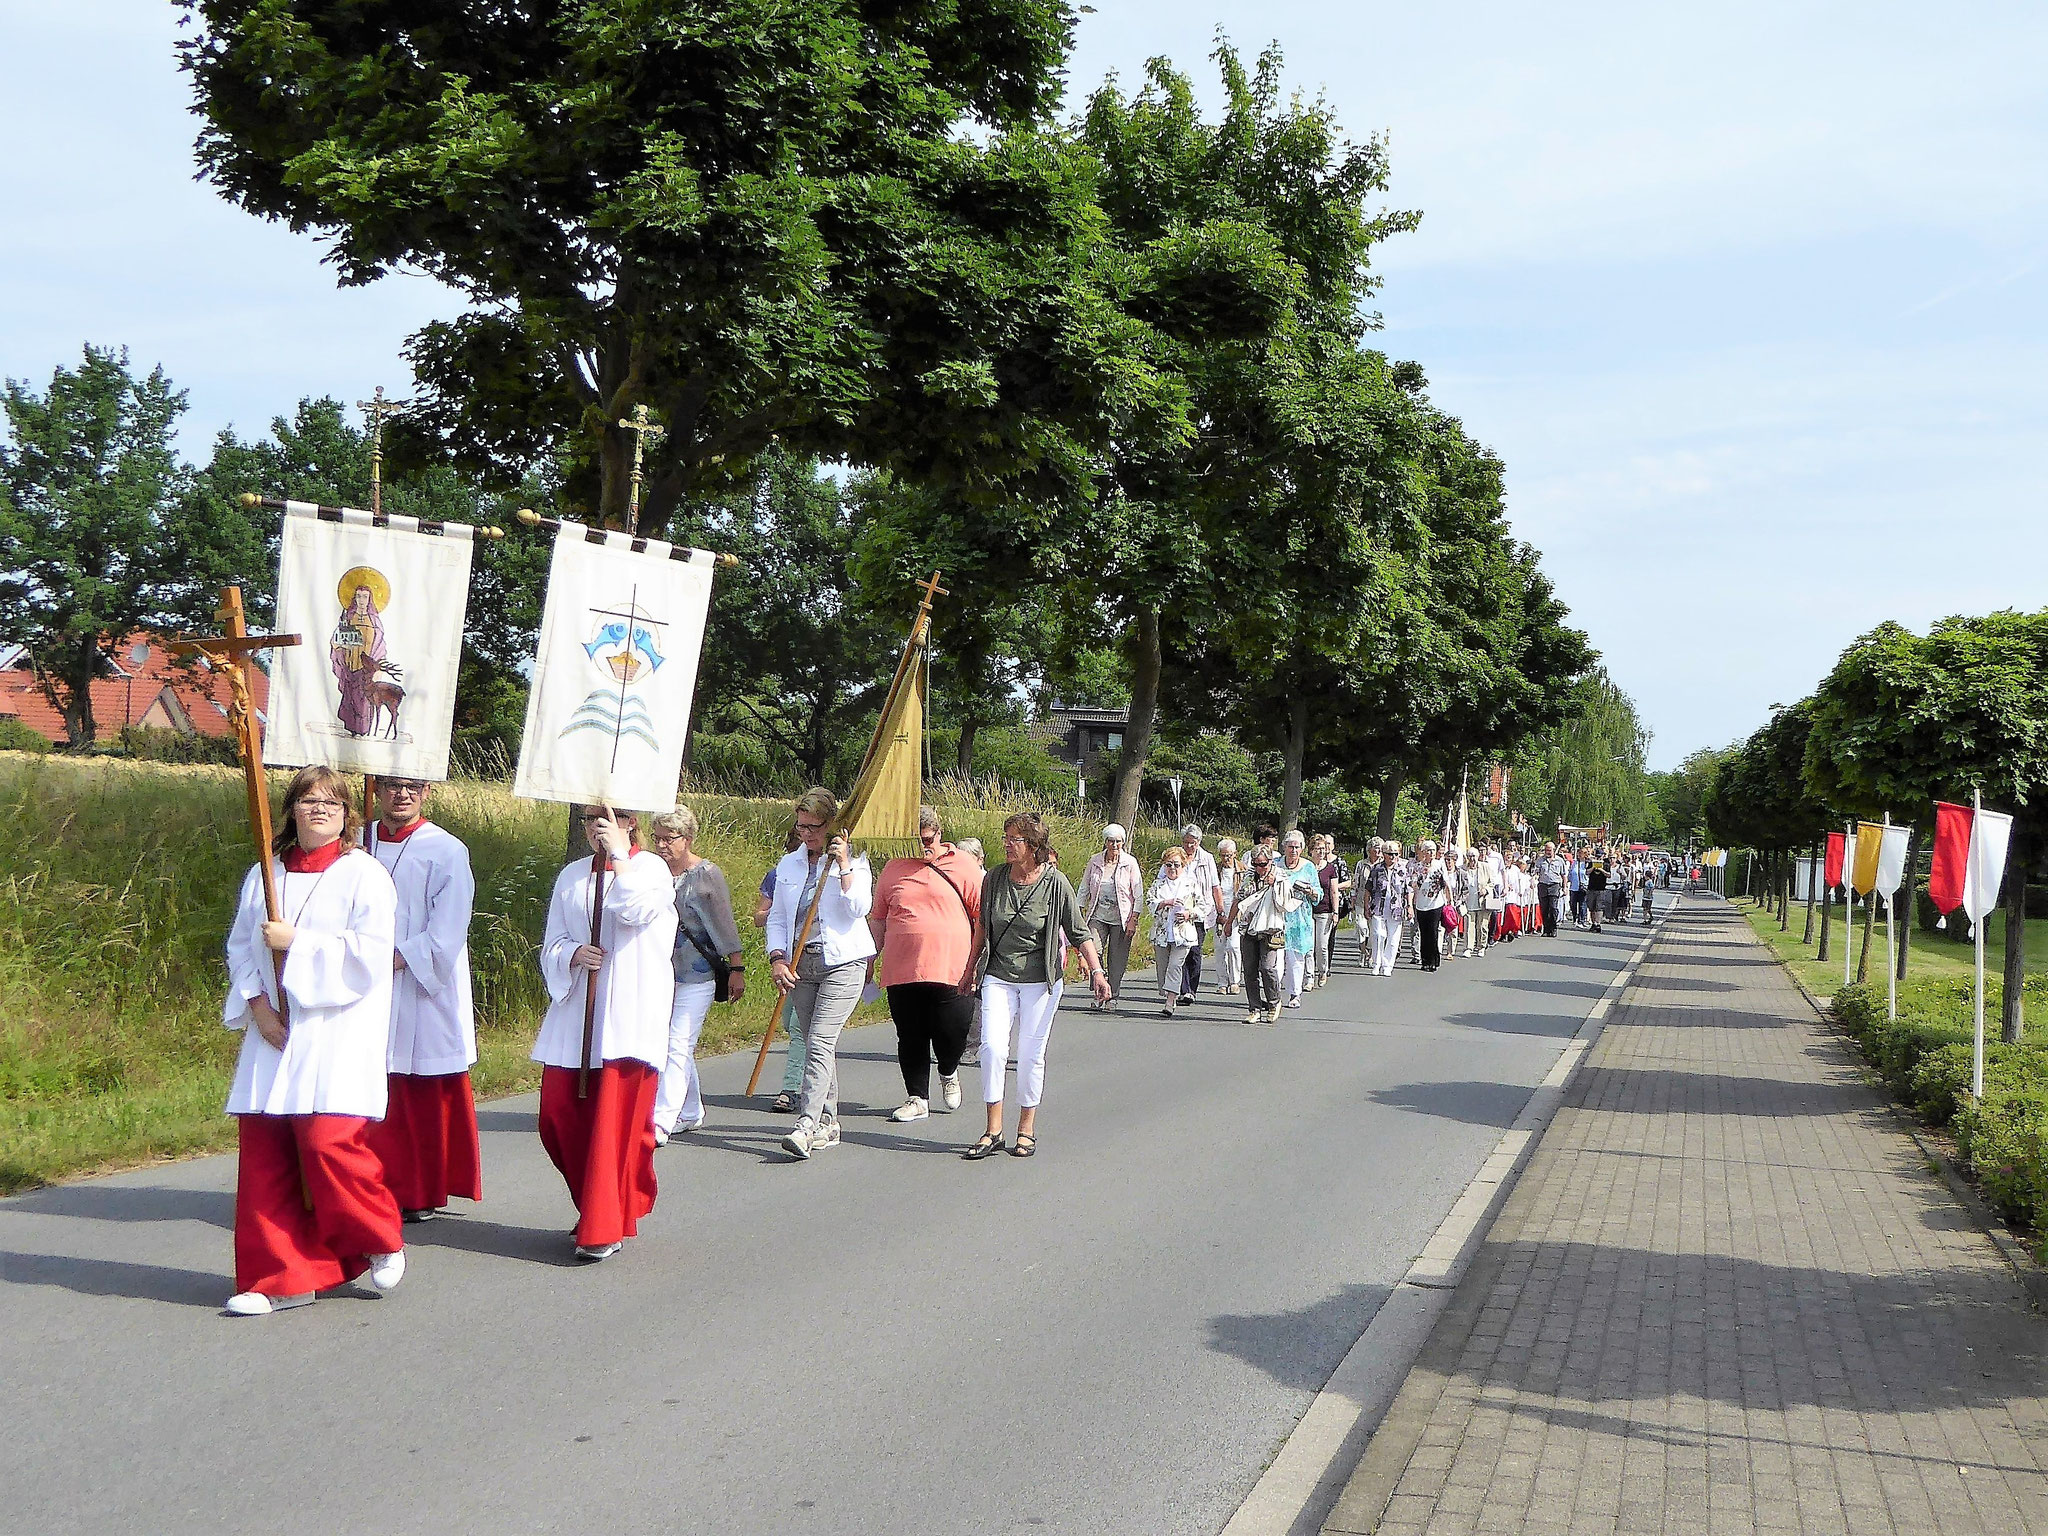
<point>117,882</point>
<point>1930,956</point>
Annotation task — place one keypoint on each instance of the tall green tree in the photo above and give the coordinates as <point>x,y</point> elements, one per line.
<point>840,223</point>
<point>1904,719</point>
<point>92,541</point>
<point>1590,764</point>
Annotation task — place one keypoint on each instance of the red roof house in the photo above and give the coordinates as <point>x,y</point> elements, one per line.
<point>144,685</point>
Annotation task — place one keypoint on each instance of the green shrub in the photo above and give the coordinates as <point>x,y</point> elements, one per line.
<point>151,744</point>
<point>16,737</point>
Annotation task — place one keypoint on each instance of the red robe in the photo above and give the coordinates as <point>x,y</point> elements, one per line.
<point>603,1144</point>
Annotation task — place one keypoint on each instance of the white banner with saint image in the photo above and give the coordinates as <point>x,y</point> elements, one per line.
<point>609,708</point>
<point>370,687</point>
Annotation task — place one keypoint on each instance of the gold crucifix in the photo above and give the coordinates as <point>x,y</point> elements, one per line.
<point>376,408</point>
<point>231,652</point>
<point>644,432</point>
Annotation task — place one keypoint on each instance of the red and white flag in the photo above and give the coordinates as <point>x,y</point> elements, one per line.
<point>1969,859</point>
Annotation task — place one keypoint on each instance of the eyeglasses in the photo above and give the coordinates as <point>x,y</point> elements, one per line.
<point>670,837</point>
<point>810,826</point>
<point>310,804</point>
<point>590,816</point>
<point>397,787</point>
<point>1015,837</point>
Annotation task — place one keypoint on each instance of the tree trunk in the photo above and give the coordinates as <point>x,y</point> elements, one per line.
<point>1812,891</point>
<point>964,761</point>
<point>1296,753</point>
<point>1869,927</point>
<point>1827,911</point>
<point>1784,889</point>
<point>1906,894</point>
<point>1130,773</point>
<point>1390,795</point>
<point>2011,1009</point>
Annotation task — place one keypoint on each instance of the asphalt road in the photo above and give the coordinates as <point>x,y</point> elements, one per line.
<point>1114,1337</point>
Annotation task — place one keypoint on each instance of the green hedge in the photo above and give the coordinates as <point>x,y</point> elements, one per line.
<point>1924,1056</point>
<point>1957,930</point>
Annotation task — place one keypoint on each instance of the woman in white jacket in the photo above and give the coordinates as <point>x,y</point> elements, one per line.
<point>1175,905</point>
<point>820,970</point>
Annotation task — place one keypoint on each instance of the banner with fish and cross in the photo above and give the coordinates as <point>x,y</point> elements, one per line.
<point>616,671</point>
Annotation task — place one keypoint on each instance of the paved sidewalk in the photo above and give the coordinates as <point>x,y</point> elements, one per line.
<point>1727,1295</point>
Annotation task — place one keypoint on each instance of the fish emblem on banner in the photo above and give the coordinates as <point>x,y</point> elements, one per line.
<point>626,651</point>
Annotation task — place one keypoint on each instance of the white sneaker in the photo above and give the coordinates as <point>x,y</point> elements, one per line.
<point>1294,1002</point>
<point>256,1304</point>
<point>387,1269</point>
<point>597,1254</point>
<point>826,1135</point>
<point>798,1142</point>
<point>660,1137</point>
<point>949,1091</point>
<point>912,1108</point>
<point>689,1125</point>
<point>971,1057</point>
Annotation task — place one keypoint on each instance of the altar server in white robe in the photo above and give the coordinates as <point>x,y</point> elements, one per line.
<point>604,1143</point>
<point>428,1137</point>
<point>311,992</point>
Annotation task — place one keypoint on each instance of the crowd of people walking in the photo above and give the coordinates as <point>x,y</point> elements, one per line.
<point>353,1091</point>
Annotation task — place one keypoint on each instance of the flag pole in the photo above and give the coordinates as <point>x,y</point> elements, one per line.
<point>1977,924</point>
<point>1891,941</point>
<point>905,675</point>
<point>1849,899</point>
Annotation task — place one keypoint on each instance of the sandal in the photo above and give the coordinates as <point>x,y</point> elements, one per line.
<point>785,1103</point>
<point>988,1146</point>
<point>1027,1146</point>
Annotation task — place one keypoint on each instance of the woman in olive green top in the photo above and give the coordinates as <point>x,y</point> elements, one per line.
<point>1027,907</point>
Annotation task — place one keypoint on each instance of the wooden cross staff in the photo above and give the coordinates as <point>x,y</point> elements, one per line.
<point>644,432</point>
<point>230,652</point>
<point>377,408</point>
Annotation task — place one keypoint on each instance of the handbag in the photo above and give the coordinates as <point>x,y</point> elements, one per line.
<point>721,968</point>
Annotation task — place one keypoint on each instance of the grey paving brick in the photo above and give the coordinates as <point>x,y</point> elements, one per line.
<point>1726,1296</point>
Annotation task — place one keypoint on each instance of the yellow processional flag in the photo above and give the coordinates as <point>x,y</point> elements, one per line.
<point>1869,844</point>
<point>884,803</point>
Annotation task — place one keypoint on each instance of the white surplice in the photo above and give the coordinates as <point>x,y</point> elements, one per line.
<point>636,985</point>
<point>433,1020</point>
<point>337,987</point>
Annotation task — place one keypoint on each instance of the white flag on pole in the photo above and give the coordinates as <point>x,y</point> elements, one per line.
<point>370,688</point>
<point>615,674</point>
<point>1891,860</point>
<point>1990,832</point>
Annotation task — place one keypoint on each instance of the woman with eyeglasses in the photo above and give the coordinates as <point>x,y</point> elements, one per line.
<point>707,941</point>
<point>1173,903</point>
<point>602,1139</point>
<point>310,990</point>
<point>1028,910</point>
<point>820,969</point>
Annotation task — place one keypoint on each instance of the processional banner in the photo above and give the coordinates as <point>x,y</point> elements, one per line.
<point>381,606</point>
<point>609,708</point>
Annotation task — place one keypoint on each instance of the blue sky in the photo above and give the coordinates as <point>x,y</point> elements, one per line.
<point>1750,300</point>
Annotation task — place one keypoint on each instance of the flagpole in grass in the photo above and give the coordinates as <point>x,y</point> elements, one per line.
<point>1977,993</point>
<point>1891,939</point>
<point>1848,899</point>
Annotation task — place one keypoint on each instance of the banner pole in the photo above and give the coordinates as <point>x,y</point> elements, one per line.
<point>1891,940</point>
<point>1849,905</point>
<point>1977,924</point>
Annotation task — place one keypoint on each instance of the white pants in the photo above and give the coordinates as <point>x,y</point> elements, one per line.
<point>679,1099</point>
<point>1475,929</point>
<point>1326,928</point>
<point>1386,938</point>
<point>1029,1006</point>
<point>1170,963</point>
<point>1229,960</point>
<point>1294,970</point>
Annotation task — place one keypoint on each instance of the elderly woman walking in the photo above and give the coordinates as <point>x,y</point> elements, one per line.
<point>1175,903</point>
<point>1299,955</point>
<point>923,921</point>
<point>1229,958</point>
<point>1112,896</point>
<point>820,971</point>
<point>1027,909</point>
<point>707,947</point>
<point>1258,921</point>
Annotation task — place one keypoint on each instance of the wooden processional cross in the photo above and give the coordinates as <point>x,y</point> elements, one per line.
<point>644,432</point>
<point>230,652</point>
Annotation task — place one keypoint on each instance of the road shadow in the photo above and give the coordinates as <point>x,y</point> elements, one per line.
<point>1667,1091</point>
<point>131,1203</point>
<point>1546,1026</point>
<point>1470,1103</point>
<point>111,1277</point>
<point>1657,983</point>
<point>1585,989</point>
<point>1578,962</point>
<point>548,1246</point>
<point>1299,1349</point>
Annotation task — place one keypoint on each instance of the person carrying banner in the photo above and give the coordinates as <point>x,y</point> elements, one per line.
<point>611,985</point>
<point>311,993</point>
<point>427,1139</point>
<point>823,979</point>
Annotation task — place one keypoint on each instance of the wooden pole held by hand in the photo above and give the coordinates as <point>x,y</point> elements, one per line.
<point>598,861</point>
